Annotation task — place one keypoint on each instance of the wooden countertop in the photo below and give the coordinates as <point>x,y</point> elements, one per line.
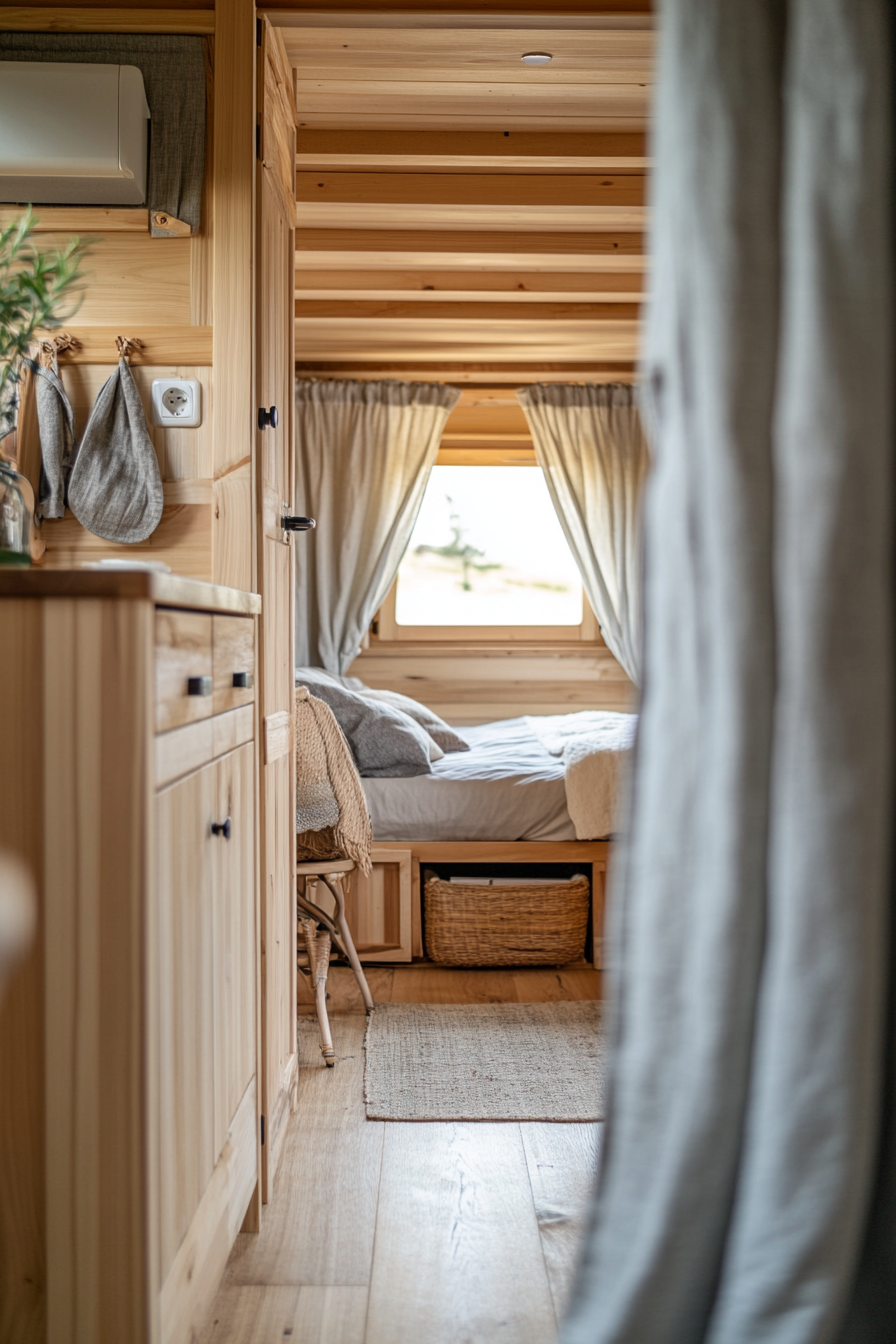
<point>165,590</point>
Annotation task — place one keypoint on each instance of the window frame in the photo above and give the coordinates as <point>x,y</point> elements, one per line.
<point>388,631</point>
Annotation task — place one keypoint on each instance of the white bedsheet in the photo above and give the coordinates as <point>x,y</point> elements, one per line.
<point>506,787</point>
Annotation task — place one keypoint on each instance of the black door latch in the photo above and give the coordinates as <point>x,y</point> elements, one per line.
<point>266,418</point>
<point>291,524</point>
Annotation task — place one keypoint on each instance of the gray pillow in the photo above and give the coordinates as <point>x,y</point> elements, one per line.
<point>437,728</point>
<point>385,742</point>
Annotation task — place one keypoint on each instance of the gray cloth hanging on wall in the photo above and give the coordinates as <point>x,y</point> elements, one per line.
<point>364,452</point>
<point>115,489</point>
<point>173,70</point>
<point>56,424</point>
<point>746,1191</point>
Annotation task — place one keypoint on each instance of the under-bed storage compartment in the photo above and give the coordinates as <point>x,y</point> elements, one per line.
<point>505,920</point>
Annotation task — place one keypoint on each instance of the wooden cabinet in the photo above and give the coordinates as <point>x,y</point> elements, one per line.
<point>130,1037</point>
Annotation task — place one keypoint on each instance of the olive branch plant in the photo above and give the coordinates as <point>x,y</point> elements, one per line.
<point>34,286</point>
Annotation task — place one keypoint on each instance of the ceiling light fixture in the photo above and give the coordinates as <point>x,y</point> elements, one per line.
<point>537,58</point>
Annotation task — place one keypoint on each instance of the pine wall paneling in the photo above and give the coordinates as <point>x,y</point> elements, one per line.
<point>166,292</point>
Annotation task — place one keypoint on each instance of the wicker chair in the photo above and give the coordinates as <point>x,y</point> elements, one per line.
<point>321,932</point>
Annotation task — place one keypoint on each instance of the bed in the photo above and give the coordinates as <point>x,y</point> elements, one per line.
<point>506,801</point>
<point>506,787</point>
<point>529,792</point>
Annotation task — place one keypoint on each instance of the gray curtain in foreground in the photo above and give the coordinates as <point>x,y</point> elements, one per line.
<point>591,448</point>
<point>746,1194</point>
<point>364,452</point>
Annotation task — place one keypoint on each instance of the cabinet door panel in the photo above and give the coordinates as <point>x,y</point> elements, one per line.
<point>234,938</point>
<point>184,814</point>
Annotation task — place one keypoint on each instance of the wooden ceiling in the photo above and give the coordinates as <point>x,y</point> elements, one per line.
<point>465,217</point>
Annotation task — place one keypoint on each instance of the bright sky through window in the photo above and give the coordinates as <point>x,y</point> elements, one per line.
<point>488,550</point>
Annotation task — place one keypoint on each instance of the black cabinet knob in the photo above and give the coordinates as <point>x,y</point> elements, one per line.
<point>243,681</point>
<point>221,828</point>
<point>291,524</point>
<point>266,418</point>
<point>199,686</point>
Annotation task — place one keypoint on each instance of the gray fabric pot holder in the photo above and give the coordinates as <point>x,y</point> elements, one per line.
<point>56,423</point>
<point>115,488</point>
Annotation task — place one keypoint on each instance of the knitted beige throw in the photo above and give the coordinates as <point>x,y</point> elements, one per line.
<point>332,821</point>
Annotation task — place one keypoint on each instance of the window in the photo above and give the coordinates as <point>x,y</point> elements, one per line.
<point>487,561</point>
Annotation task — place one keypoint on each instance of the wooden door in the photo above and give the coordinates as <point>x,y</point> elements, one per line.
<point>233,953</point>
<point>184,857</point>
<point>275,375</point>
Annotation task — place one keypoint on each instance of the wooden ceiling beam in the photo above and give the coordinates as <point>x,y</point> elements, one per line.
<point>468,251</point>
<point>477,377</point>
<point>459,9</point>
<point>535,314</point>
<point>425,287</point>
<point>472,151</point>
<point>337,215</point>
<point>478,189</point>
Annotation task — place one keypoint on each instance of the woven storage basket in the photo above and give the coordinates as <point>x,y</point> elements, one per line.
<point>505,926</point>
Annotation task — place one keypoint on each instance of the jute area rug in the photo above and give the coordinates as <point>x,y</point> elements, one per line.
<point>491,1061</point>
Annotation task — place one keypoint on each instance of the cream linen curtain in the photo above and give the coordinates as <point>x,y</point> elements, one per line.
<point>364,452</point>
<point>590,446</point>
<point>746,1193</point>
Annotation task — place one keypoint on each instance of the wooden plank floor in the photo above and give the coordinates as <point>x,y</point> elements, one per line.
<point>392,1233</point>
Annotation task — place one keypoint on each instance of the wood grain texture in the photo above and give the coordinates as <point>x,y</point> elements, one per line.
<point>233,652</point>
<point>537,218</point>
<point>445,1266</point>
<point>23,1204</point>
<point>189,1290</point>
<point>183,650</point>
<point>481,151</point>
<point>562,1162</point>
<point>126,275</point>
<point>277,736</point>
<point>184,859</point>
<point>165,590</point>
<point>591,55</point>
<point>234,937</point>
<point>466,684</point>
<point>232,558</point>
<point>263,1315</point>
<point>624,190</point>
<point>378,906</point>
<point>496,286</point>
<point>97,700</point>
<point>162,344</point>
<point>72,19</point>
<point>470,249</point>
<point>93,219</point>
<point>325,1237</point>
<point>233,173</point>
<point>182,750</point>
<point>274,468</point>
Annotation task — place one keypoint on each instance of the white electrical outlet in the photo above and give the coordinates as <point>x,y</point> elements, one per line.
<point>176,401</point>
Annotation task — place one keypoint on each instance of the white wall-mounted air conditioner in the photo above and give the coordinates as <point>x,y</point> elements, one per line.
<point>72,134</point>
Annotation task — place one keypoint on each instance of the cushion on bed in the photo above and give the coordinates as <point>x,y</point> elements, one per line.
<point>385,742</point>
<point>437,728</point>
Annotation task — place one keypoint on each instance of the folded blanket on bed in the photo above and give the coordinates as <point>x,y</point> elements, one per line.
<point>332,820</point>
<point>595,746</point>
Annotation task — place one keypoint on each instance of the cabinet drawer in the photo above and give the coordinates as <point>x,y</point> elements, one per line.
<point>233,660</point>
<point>183,668</point>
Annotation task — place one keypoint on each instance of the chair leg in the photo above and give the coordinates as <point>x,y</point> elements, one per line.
<point>335,887</point>
<point>318,945</point>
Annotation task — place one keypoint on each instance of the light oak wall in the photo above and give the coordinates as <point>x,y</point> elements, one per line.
<point>189,299</point>
<point>476,684</point>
